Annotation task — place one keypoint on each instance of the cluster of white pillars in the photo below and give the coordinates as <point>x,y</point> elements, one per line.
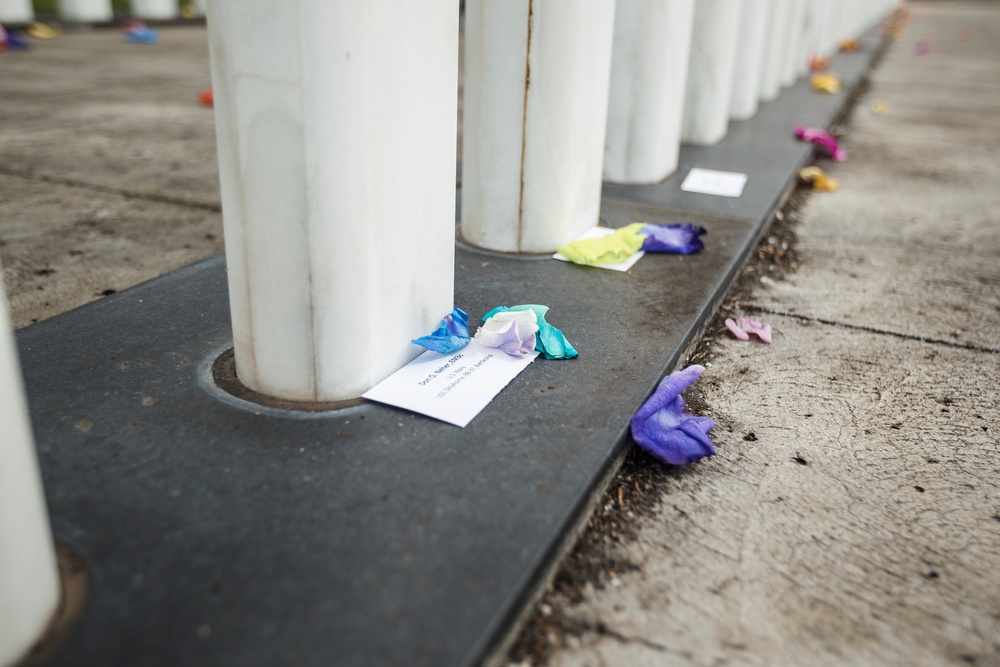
<point>29,582</point>
<point>96,11</point>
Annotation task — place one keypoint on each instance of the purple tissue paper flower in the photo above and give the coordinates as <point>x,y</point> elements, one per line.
<point>661,427</point>
<point>452,335</point>
<point>822,139</point>
<point>681,239</point>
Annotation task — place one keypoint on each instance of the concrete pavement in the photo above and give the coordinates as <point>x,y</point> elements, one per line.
<point>852,516</point>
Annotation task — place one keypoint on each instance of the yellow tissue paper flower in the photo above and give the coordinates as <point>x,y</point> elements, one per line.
<point>880,107</point>
<point>42,31</point>
<point>826,83</point>
<point>818,179</point>
<point>609,249</point>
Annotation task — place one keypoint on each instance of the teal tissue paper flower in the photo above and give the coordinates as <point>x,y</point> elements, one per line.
<point>549,340</point>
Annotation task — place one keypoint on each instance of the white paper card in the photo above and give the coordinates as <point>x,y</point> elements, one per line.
<point>598,232</point>
<point>451,387</point>
<point>711,182</point>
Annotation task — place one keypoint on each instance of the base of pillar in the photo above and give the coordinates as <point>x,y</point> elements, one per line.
<point>75,584</point>
<point>223,375</point>
<point>218,534</point>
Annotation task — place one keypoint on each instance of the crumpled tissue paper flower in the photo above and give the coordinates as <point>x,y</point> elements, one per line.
<point>818,63</point>
<point>43,31</point>
<point>452,335</point>
<point>609,249</point>
<point>818,179</point>
<point>849,45</point>
<point>207,98</point>
<point>511,331</point>
<point>822,139</point>
<point>880,107</point>
<point>549,341</point>
<point>744,326</point>
<point>924,48</point>
<point>9,40</point>
<point>139,33</point>
<point>826,83</point>
<point>680,239</point>
<point>661,427</point>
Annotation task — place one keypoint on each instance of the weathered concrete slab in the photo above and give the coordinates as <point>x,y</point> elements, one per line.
<point>105,242</point>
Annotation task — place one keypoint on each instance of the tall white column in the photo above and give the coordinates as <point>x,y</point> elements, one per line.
<point>714,40</point>
<point>777,35</point>
<point>792,65</point>
<point>750,59</point>
<point>649,69</point>
<point>200,7</point>
<point>337,167</point>
<point>534,118</point>
<point>16,11</point>
<point>85,10</point>
<point>29,580</point>
<point>161,10</point>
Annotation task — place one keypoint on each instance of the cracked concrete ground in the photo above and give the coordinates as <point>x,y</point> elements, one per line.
<point>852,515</point>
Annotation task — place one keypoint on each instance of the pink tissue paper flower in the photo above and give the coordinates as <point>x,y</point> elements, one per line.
<point>822,139</point>
<point>744,326</point>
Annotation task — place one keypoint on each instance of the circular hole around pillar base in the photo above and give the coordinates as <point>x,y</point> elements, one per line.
<point>225,378</point>
<point>75,584</point>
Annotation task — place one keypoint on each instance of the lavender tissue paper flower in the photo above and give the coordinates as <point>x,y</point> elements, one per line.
<point>511,331</point>
<point>452,335</point>
<point>680,239</point>
<point>550,341</point>
<point>661,427</point>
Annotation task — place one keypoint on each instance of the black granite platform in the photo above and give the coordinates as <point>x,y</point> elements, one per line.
<point>219,532</point>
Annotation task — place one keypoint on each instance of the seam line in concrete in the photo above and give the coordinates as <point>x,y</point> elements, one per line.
<point>68,182</point>
<point>873,330</point>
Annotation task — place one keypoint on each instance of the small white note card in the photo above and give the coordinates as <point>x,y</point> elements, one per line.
<point>451,387</point>
<point>596,233</point>
<point>711,182</point>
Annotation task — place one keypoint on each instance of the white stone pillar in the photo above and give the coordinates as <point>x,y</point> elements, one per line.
<point>777,34</point>
<point>155,10</point>
<point>750,59</point>
<point>29,580</point>
<point>791,64</point>
<point>337,165</point>
<point>648,75</point>
<point>16,11</point>
<point>534,119</point>
<point>714,40</point>
<point>200,7</point>
<point>85,11</point>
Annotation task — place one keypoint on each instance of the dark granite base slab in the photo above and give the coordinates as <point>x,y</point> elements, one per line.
<point>221,533</point>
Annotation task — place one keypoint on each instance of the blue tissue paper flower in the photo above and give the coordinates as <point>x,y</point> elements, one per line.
<point>680,239</point>
<point>549,341</point>
<point>661,427</point>
<point>452,335</point>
